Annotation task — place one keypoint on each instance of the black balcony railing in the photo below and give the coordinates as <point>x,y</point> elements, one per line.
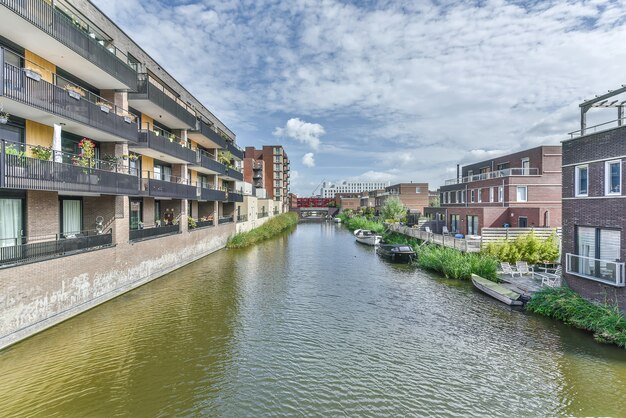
<point>28,252</point>
<point>203,128</point>
<point>63,172</point>
<point>225,220</point>
<point>167,186</point>
<point>232,173</point>
<point>155,94</point>
<point>157,231</point>
<point>262,215</point>
<point>204,224</point>
<point>207,161</point>
<point>166,144</point>
<point>56,24</point>
<point>242,218</point>
<point>211,194</point>
<point>72,103</point>
<point>234,150</point>
<point>234,197</point>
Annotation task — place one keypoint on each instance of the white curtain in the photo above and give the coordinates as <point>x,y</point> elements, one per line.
<point>71,217</point>
<point>10,222</point>
<point>56,144</point>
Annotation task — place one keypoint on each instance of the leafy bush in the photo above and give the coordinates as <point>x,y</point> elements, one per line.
<point>359,222</point>
<point>393,210</point>
<point>525,248</point>
<point>268,230</point>
<point>191,222</point>
<point>606,322</point>
<point>457,265</point>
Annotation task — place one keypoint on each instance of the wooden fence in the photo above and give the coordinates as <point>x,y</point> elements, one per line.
<point>499,235</point>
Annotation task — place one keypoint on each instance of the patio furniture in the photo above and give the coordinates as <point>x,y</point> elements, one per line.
<point>551,279</point>
<point>444,231</point>
<point>506,268</point>
<point>523,268</point>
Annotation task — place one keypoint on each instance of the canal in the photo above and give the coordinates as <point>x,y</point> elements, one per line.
<point>309,323</point>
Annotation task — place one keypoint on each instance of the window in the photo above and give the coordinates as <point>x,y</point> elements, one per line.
<point>480,195</point>
<point>525,166</point>
<point>581,180</point>
<point>500,193</point>
<point>454,223</point>
<point>418,190</point>
<point>522,222</point>
<point>71,216</point>
<point>522,193</point>
<point>136,213</point>
<point>502,166</point>
<point>11,222</point>
<point>491,194</point>
<point>458,196</point>
<point>613,177</point>
<point>472,194</point>
<point>596,244</point>
<point>472,225</point>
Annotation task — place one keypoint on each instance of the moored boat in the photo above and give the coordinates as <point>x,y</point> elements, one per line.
<point>497,291</point>
<point>401,253</point>
<point>367,237</point>
<point>337,220</point>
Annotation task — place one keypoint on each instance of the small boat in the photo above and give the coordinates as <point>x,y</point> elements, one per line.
<point>401,253</point>
<point>337,220</point>
<point>497,291</point>
<point>367,237</point>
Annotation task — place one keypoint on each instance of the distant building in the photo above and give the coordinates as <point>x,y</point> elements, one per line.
<point>331,189</point>
<point>594,208</point>
<point>346,201</point>
<point>293,201</point>
<point>518,190</point>
<point>269,167</point>
<point>314,202</point>
<point>412,195</point>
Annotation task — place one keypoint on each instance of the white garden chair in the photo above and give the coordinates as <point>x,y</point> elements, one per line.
<point>506,268</point>
<point>523,268</point>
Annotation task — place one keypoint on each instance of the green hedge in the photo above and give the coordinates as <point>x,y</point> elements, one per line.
<point>268,230</point>
<point>525,248</point>
<point>606,322</point>
<point>360,222</point>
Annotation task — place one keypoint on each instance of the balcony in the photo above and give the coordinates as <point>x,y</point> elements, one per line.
<point>262,215</point>
<point>154,99</point>
<point>62,172</point>
<point>34,94</point>
<point>49,33</point>
<point>494,175</point>
<point>225,220</point>
<point>204,135</point>
<point>154,232</point>
<point>167,187</point>
<point>206,163</point>
<point>21,251</point>
<point>208,193</point>
<point>232,174</point>
<point>242,218</point>
<point>162,145</point>
<point>603,271</point>
<point>235,150</point>
<point>234,196</point>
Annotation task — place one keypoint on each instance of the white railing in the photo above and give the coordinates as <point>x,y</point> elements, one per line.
<point>495,174</point>
<point>616,123</point>
<point>604,271</point>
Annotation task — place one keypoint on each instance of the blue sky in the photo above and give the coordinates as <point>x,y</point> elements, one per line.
<point>391,90</point>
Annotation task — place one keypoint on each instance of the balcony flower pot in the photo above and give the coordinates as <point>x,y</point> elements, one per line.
<point>127,119</point>
<point>3,119</point>
<point>32,74</point>
<point>73,94</point>
<point>105,108</point>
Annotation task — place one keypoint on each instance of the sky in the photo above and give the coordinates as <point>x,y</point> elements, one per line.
<point>397,90</point>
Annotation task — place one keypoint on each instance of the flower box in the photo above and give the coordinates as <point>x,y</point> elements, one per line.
<point>127,119</point>
<point>105,109</point>
<point>32,74</point>
<point>3,120</point>
<point>73,94</point>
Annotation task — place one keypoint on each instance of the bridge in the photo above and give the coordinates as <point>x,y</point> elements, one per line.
<point>315,212</point>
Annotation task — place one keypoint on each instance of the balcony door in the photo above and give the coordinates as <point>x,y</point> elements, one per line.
<point>525,166</point>
<point>11,222</point>
<point>472,225</point>
<point>71,217</point>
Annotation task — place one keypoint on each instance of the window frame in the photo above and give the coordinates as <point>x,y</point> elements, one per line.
<point>607,178</point>
<point>577,170</point>
<point>517,189</point>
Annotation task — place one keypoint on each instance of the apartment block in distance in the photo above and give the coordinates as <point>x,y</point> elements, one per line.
<point>594,204</point>
<point>111,172</point>
<point>521,190</point>
<point>331,189</point>
<point>412,195</point>
<point>270,168</point>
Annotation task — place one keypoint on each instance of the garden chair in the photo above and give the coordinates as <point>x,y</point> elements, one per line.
<point>551,279</point>
<point>506,268</point>
<point>427,229</point>
<point>523,268</point>
<point>444,231</point>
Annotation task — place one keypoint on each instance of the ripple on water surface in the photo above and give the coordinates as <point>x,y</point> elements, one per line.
<point>309,323</point>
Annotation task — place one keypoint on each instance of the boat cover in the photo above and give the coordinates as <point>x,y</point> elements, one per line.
<point>496,287</point>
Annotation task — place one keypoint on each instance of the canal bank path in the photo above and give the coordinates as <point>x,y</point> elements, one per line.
<point>309,323</point>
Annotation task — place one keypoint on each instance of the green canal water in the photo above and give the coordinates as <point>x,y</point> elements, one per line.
<point>312,324</point>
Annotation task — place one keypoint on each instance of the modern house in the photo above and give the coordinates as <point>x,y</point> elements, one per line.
<point>270,168</point>
<point>522,189</point>
<point>412,195</point>
<point>111,172</point>
<point>594,204</point>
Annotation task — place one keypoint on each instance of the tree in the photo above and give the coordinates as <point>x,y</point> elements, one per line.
<point>393,210</point>
<point>434,202</point>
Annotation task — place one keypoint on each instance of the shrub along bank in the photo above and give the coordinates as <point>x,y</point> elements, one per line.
<point>269,229</point>
<point>360,222</point>
<point>525,248</point>
<point>606,322</point>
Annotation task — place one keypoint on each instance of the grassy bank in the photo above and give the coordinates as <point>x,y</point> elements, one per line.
<point>268,230</point>
<point>447,261</point>
<point>606,322</point>
<point>360,222</point>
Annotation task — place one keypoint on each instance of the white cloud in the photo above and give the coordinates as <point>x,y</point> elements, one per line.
<point>304,132</point>
<point>308,160</point>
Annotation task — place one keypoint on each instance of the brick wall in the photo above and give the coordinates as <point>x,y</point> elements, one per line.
<point>42,214</point>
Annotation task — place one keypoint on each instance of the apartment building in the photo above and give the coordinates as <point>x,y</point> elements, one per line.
<point>346,200</point>
<point>331,189</point>
<point>102,152</point>
<point>594,208</point>
<point>273,172</point>
<point>368,199</point>
<point>412,195</point>
<point>517,190</point>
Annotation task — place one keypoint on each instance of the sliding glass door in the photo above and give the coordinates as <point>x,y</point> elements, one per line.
<point>11,222</point>
<point>71,217</point>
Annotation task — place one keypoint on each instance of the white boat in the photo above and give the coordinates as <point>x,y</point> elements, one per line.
<point>337,220</point>
<point>367,237</point>
<point>497,291</point>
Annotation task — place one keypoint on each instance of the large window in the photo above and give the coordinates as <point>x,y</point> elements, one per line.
<point>472,225</point>
<point>454,223</point>
<point>581,180</point>
<point>522,193</point>
<point>613,177</point>
<point>136,213</point>
<point>11,223</point>
<point>525,166</point>
<point>592,245</point>
<point>71,216</point>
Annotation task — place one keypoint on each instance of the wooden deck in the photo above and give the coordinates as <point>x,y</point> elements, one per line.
<point>461,244</point>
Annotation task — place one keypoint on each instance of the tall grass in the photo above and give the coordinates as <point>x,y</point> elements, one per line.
<point>360,222</point>
<point>606,322</point>
<point>268,230</point>
<point>457,265</point>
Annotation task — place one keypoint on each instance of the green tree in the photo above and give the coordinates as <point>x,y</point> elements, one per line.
<point>393,210</point>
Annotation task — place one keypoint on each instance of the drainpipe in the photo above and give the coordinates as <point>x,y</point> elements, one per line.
<point>503,193</point>
<point>458,173</point>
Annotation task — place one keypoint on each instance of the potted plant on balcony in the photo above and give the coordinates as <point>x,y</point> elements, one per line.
<point>74,92</point>
<point>86,157</point>
<point>191,222</point>
<point>16,161</point>
<point>33,73</point>
<point>106,107</point>
<point>4,116</point>
<point>41,152</point>
<point>128,118</point>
